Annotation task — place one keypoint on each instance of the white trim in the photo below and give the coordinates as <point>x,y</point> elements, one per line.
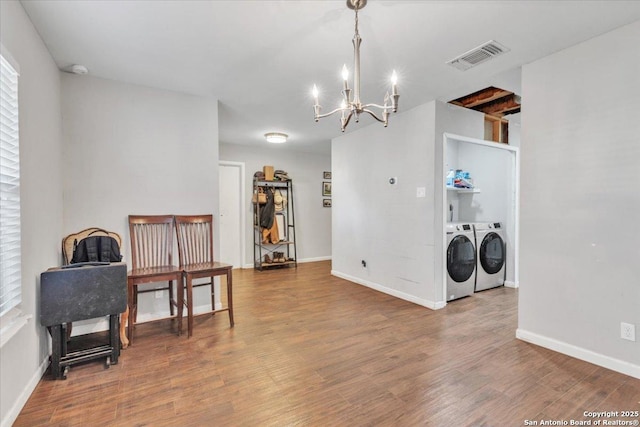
<point>13,413</point>
<point>300,261</point>
<point>243,244</point>
<point>516,212</point>
<point>389,291</point>
<point>91,326</point>
<point>11,323</point>
<point>510,284</point>
<point>316,259</point>
<point>580,353</point>
<point>103,323</point>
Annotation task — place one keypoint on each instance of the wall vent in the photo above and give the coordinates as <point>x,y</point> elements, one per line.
<point>478,55</point>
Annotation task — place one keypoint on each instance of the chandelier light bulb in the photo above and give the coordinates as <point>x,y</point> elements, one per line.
<point>345,80</point>
<point>314,91</point>
<point>394,88</point>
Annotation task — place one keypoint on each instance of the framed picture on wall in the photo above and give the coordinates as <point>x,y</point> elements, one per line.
<point>326,175</point>
<point>326,203</point>
<point>326,189</point>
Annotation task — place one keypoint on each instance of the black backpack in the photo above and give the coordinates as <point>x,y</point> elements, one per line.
<point>96,249</point>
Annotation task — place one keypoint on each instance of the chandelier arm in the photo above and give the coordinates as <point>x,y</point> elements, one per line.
<point>382,107</point>
<point>345,122</point>
<point>320,116</point>
<point>364,110</point>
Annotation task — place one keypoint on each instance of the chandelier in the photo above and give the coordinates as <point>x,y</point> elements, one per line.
<point>352,106</point>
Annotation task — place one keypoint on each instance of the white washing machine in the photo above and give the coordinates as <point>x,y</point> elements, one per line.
<point>461,260</point>
<point>491,255</point>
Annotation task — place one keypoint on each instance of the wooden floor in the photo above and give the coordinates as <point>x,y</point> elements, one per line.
<point>309,349</point>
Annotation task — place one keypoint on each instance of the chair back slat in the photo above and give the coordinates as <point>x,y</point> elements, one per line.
<point>195,239</point>
<point>151,240</point>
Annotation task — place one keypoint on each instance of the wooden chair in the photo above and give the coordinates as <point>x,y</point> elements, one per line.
<point>68,245</point>
<point>195,252</point>
<point>151,259</point>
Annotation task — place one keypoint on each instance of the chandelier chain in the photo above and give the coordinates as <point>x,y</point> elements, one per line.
<point>356,10</point>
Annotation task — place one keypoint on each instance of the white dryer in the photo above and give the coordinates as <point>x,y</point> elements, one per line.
<point>461,260</point>
<point>491,255</point>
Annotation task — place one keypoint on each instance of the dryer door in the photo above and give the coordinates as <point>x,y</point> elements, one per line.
<point>492,253</point>
<point>461,259</point>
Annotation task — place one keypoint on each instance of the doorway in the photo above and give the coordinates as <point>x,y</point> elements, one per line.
<point>232,214</point>
<point>460,150</point>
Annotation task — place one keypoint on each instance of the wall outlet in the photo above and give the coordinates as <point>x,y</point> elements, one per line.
<point>421,192</point>
<point>158,294</point>
<point>627,331</point>
<point>364,263</point>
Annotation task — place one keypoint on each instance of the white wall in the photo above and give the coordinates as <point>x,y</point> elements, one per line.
<point>24,357</point>
<point>398,234</point>
<point>580,200</point>
<point>131,149</point>
<point>313,221</point>
<point>493,176</point>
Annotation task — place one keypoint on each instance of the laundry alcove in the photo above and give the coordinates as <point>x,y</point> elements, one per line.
<point>495,169</point>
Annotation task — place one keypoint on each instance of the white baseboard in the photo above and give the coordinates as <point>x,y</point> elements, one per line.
<point>12,415</point>
<point>103,324</point>
<point>316,259</point>
<point>511,284</point>
<point>393,292</point>
<point>89,327</point>
<point>580,353</point>
<point>300,261</point>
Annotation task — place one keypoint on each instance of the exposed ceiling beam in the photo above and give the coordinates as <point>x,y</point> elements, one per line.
<point>502,106</point>
<point>481,97</point>
<point>492,101</point>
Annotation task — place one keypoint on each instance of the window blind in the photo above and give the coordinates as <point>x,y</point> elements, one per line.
<point>10,271</point>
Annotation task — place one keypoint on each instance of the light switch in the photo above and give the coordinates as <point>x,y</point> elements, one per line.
<point>421,192</point>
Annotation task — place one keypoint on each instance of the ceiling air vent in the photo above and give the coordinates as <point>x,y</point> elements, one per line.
<point>478,55</point>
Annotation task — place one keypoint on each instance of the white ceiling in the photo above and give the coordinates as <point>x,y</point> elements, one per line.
<point>261,58</point>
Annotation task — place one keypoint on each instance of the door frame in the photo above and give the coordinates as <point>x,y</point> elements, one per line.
<point>516,208</point>
<point>243,217</point>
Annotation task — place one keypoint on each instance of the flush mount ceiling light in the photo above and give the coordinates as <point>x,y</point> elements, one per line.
<point>276,137</point>
<point>352,107</point>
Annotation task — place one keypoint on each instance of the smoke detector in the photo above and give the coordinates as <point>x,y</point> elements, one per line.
<point>478,55</point>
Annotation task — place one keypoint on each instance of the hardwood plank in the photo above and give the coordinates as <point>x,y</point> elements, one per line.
<point>309,349</point>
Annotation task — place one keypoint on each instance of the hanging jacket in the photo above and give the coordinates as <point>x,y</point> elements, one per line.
<point>268,210</point>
